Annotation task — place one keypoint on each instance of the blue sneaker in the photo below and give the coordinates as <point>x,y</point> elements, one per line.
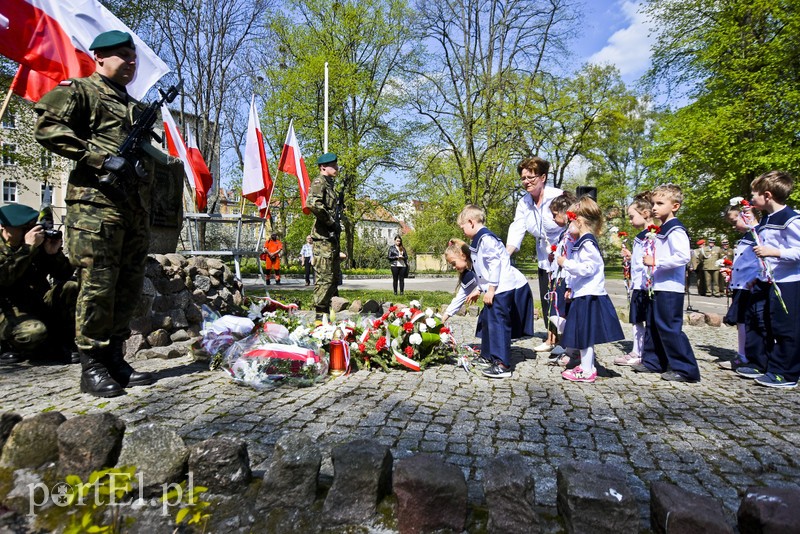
<point>749,372</point>
<point>771,380</point>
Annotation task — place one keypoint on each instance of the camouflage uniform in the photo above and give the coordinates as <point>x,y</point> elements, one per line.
<point>108,229</point>
<point>32,310</point>
<point>322,201</point>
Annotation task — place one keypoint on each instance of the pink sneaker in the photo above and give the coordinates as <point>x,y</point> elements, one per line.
<point>579,375</point>
<point>627,359</point>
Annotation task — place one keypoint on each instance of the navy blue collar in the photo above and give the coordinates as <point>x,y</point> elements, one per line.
<point>778,220</point>
<point>476,240</point>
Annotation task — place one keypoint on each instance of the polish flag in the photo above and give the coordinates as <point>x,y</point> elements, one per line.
<point>193,164</point>
<point>202,176</point>
<point>50,40</point>
<point>257,183</point>
<point>292,162</point>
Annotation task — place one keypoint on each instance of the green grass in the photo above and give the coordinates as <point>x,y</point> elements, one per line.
<point>428,299</point>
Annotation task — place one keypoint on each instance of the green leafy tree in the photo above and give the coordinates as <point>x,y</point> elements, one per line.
<point>481,54</point>
<point>366,45</point>
<point>737,61</point>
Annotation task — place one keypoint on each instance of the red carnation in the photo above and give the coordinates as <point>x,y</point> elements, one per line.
<point>409,351</point>
<point>727,262</point>
<point>571,215</point>
<point>553,247</point>
<point>622,234</point>
<point>414,311</point>
<point>392,309</point>
<point>380,344</point>
<point>408,327</point>
<point>377,323</point>
<point>444,330</point>
<point>362,347</point>
<point>654,228</point>
<point>745,203</point>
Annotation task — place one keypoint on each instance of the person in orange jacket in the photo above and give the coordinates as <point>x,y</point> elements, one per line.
<point>272,258</point>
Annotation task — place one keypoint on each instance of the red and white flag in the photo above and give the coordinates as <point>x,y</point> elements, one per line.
<point>257,183</point>
<point>193,164</point>
<point>50,40</point>
<point>292,162</point>
<point>202,175</point>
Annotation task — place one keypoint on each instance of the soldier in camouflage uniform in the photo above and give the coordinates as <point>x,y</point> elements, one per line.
<point>323,203</point>
<point>108,225</point>
<point>37,318</point>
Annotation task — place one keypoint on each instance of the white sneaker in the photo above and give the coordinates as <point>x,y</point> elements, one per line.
<point>544,347</point>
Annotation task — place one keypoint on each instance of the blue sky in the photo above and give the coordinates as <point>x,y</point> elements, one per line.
<point>614,31</point>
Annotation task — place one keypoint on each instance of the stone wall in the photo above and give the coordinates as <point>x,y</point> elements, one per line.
<point>171,308</point>
<point>356,485</point>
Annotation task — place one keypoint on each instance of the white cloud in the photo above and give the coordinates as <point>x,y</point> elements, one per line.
<point>628,48</point>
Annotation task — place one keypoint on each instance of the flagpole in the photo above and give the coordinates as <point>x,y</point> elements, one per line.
<point>325,143</point>
<point>10,92</point>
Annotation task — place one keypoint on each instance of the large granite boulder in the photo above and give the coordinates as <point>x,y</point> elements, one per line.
<point>33,442</point>
<point>362,478</point>
<point>431,495</point>
<point>89,443</point>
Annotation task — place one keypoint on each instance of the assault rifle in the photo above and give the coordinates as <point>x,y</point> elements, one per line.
<point>127,165</point>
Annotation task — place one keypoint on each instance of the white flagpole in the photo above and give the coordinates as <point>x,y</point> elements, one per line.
<point>325,143</point>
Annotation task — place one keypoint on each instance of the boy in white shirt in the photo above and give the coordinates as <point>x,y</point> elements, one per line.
<point>508,302</point>
<point>666,348</point>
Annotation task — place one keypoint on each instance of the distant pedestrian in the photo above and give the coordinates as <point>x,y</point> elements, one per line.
<point>307,258</point>
<point>398,261</point>
<point>272,258</point>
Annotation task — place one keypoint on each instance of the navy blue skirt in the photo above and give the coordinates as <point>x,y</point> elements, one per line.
<point>591,320</point>
<point>738,308</point>
<point>640,301</point>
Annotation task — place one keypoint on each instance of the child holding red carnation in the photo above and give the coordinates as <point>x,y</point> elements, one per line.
<point>591,319</point>
<point>640,215</point>
<point>666,348</point>
<point>555,299</point>
<point>744,312</point>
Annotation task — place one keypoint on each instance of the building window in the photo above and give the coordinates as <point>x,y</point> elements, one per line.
<point>46,159</point>
<point>10,121</point>
<point>9,154</point>
<point>9,191</point>
<point>46,196</point>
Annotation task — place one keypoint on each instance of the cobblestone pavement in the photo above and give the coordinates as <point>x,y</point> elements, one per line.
<point>714,438</point>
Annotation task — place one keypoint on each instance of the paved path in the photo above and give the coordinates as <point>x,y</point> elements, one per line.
<point>714,438</point>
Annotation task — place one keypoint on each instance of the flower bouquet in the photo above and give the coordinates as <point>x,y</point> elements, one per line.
<point>404,337</point>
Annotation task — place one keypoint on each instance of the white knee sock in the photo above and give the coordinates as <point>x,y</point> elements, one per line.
<point>742,335</point>
<point>587,359</point>
<point>638,338</point>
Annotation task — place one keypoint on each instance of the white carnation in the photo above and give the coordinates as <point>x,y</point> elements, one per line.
<point>429,312</point>
<point>415,339</point>
<point>415,304</point>
<point>430,322</point>
<point>422,327</point>
<point>736,200</point>
<point>445,338</point>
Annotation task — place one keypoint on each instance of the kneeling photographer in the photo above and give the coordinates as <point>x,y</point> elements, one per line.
<point>37,290</point>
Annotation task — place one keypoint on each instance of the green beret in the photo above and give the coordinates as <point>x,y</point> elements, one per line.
<point>17,215</point>
<point>328,157</point>
<point>112,39</point>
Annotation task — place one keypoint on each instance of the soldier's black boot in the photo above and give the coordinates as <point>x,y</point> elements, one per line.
<point>121,371</point>
<point>95,378</point>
